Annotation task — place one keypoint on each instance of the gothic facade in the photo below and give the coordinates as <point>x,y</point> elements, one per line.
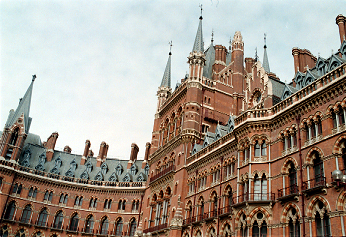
<point>234,152</point>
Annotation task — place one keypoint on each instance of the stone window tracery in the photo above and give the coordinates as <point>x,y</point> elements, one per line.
<point>26,215</point>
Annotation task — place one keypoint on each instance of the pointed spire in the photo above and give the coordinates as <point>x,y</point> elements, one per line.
<point>198,45</point>
<point>265,56</point>
<point>210,59</point>
<point>166,79</point>
<point>23,108</point>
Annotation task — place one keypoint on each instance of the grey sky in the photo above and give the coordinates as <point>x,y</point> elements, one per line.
<point>99,63</point>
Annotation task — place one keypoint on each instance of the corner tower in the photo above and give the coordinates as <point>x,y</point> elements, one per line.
<point>16,128</point>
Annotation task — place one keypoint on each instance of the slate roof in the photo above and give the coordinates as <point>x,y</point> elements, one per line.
<point>198,46</point>
<point>66,164</point>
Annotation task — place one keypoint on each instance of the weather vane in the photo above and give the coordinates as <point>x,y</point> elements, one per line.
<point>265,38</point>
<point>33,77</point>
<point>200,6</point>
<point>212,35</point>
<point>170,47</point>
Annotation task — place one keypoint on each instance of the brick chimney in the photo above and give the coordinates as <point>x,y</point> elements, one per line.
<point>146,156</point>
<point>50,145</point>
<point>134,152</point>
<point>249,62</point>
<point>85,153</point>
<point>67,149</point>
<point>341,22</point>
<point>102,154</point>
<point>303,58</point>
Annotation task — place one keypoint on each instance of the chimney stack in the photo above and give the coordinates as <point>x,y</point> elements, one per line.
<point>102,154</point>
<point>303,58</point>
<point>67,149</point>
<point>147,150</point>
<point>85,153</point>
<point>134,152</point>
<point>50,145</point>
<point>341,22</point>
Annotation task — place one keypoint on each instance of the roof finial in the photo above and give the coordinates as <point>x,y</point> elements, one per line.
<point>33,77</point>
<point>265,40</point>
<point>256,56</point>
<point>200,6</point>
<point>319,54</point>
<point>170,47</point>
<point>212,35</point>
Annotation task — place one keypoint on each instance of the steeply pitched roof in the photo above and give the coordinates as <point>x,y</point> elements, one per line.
<point>210,59</point>
<point>198,45</point>
<point>166,79</point>
<point>23,108</point>
<point>265,60</point>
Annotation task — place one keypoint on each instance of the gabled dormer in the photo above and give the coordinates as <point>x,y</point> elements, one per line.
<point>134,169</point>
<point>220,131</point>
<point>99,176</point>
<point>288,91</point>
<point>119,169</point>
<point>127,178</point>
<point>141,177</point>
<point>113,177</point>
<point>309,78</point>
<point>208,139</point>
<point>299,77</point>
<point>230,124</point>
<point>334,62</point>
<point>321,66</point>
<point>196,148</point>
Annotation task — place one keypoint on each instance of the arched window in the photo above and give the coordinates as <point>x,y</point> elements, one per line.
<point>318,169</point>
<point>65,199</point>
<point>227,230</point>
<point>26,214</point>
<point>260,187</point>
<point>120,205</point>
<point>124,205</point>
<point>243,226</point>
<point>4,231</point>
<point>38,234</point>
<point>119,227</point>
<point>74,222</point>
<point>263,148</point>
<point>61,200</point>
<point>257,149</point>
<point>20,233</point>
<point>293,223</point>
<point>201,209</point>
<point>35,193</point>
<point>215,205</point>
<point>11,208</point>
<point>133,227</point>
<point>76,201</point>
<point>91,203</point>
<point>31,192</point>
<point>14,137</point>
<point>89,224</point>
<point>46,195</point>
<point>230,197</point>
<point>42,219</point>
<point>322,225</point>
<point>335,123</point>
<point>80,201</point>
<point>292,176</point>
<point>104,226</point>
<point>59,217</point>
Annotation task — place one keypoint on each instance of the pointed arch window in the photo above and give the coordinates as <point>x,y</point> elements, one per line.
<point>119,227</point>
<point>89,225</point>
<point>42,219</point>
<point>104,226</point>
<point>133,227</point>
<point>4,231</point>
<point>322,225</point>
<point>59,217</point>
<point>293,224</point>
<point>74,223</point>
<point>21,233</point>
<point>318,169</point>
<point>263,148</point>
<point>257,149</point>
<point>243,226</point>
<point>11,208</point>
<point>26,214</point>
<point>260,187</point>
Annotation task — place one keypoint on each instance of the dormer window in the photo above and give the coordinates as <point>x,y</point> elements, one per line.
<point>119,169</point>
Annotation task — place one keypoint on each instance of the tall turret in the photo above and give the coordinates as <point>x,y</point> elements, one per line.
<point>238,62</point>
<point>17,127</point>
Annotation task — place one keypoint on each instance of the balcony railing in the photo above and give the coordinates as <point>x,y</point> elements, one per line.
<point>290,190</point>
<point>155,228</point>
<point>225,210</point>
<point>314,183</point>
<point>162,173</point>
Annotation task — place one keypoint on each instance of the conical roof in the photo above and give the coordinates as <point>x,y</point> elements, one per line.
<point>198,46</point>
<point>23,108</point>
<point>166,79</point>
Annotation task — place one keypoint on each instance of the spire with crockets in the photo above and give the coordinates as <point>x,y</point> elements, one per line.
<point>265,56</point>
<point>198,46</point>
<point>166,79</point>
<point>23,108</point>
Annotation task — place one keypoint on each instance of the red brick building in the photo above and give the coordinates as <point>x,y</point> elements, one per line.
<point>234,152</point>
